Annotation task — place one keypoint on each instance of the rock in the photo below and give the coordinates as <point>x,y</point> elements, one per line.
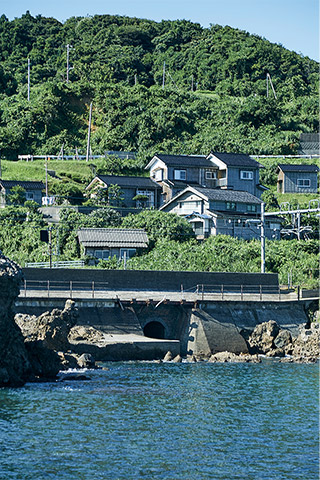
<point>15,368</point>
<point>306,345</point>
<point>177,359</point>
<point>86,361</point>
<point>223,357</point>
<point>168,357</point>
<point>68,360</point>
<point>192,359</point>
<point>283,339</point>
<point>52,328</point>
<point>45,363</point>
<point>262,338</point>
<point>278,352</point>
<point>74,376</point>
<point>81,333</point>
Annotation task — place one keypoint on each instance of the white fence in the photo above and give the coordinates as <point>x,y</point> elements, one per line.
<point>56,264</point>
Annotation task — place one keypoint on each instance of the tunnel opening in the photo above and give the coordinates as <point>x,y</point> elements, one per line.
<point>154,330</point>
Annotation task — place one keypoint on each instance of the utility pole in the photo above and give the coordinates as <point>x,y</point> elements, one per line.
<point>89,133</point>
<point>135,79</point>
<point>28,79</point>
<point>50,247</point>
<point>263,239</point>
<point>192,83</point>
<point>46,167</point>
<point>163,75</point>
<point>268,79</point>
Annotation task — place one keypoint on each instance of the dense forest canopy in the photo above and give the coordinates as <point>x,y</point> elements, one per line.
<point>214,95</point>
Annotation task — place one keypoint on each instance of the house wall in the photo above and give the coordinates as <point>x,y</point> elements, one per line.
<point>35,194</point>
<point>240,207</point>
<point>113,251</point>
<point>290,182</point>
<point>237,183</point>
<point>159,165</point>
<point>244,229</point>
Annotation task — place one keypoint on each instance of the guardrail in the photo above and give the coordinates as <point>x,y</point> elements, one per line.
<point>56,264</point>
<point>198,293</point>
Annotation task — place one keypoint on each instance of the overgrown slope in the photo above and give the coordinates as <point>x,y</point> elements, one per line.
<point>214,95</point>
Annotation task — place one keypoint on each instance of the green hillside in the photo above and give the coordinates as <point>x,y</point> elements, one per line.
<point>214,95</point>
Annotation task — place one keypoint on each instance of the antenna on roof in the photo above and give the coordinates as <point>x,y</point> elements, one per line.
<point>269,80</point>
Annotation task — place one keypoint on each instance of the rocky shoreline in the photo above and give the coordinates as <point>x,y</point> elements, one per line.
<point>37,348</point>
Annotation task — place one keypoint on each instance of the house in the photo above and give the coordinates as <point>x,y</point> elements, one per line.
<point>216,170</point>
<point>297,178</point>
<point>237,172</point>
<point>217,211</point>
<point>104,243</point>
<point>147,191</point>
<point>175,172</point>
<point>33,190</point>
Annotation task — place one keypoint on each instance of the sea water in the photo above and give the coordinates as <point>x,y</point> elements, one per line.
<point>165,421</point>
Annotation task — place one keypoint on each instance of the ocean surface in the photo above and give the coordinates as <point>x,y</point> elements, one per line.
<point>165,421</point>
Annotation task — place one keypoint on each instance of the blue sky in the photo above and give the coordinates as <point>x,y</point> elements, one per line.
<point>292,23</point>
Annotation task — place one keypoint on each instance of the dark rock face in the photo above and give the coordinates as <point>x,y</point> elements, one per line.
<point>15,367</point>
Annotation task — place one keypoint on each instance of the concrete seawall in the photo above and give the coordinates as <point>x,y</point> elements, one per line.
<point>210,327</point>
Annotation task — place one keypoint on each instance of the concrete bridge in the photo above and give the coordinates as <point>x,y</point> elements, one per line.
<point>186,317</point>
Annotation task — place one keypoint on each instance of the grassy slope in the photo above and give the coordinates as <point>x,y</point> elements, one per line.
<point>80,173</point>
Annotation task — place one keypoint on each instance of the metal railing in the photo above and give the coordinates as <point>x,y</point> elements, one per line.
<point>198,293</point>
<point>56,264</point>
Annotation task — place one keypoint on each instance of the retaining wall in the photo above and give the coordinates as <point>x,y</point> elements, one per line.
<point>149,280</point>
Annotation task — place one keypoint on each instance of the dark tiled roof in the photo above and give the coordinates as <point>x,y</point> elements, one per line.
<point>113,237</point>
<point>237,160</point>
<point>124,181</point>
<point>228,195</point>
<point>286,167</point>
<point>27,185</point>
<point>185,160</point>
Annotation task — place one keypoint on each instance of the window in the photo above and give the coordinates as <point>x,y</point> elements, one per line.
<point>251,208</point>
<point>180,175</point>
<point>102,254</point>
<point>211,175</point>
<point>29,196</point>
<point>303,182</point>
<point>231,206</point>
<point>128,252</point>
<point>146,193</point>
<point>246,175</point>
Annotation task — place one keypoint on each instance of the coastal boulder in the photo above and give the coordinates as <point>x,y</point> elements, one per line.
<point>51,328</point>
<point>15,367</point>
<point>263,336</point>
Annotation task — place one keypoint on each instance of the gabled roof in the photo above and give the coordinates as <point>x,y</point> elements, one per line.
<point>182,160</point>
<point>286,167</point>
<point>217,195</point>
<point>113,237</point>
<point>229,195</point>
<point>27,185</point>
<point>125,181</point>
<point>236,159</point>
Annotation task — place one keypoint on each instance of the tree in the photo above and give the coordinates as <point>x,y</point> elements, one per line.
<point>16,195</point>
